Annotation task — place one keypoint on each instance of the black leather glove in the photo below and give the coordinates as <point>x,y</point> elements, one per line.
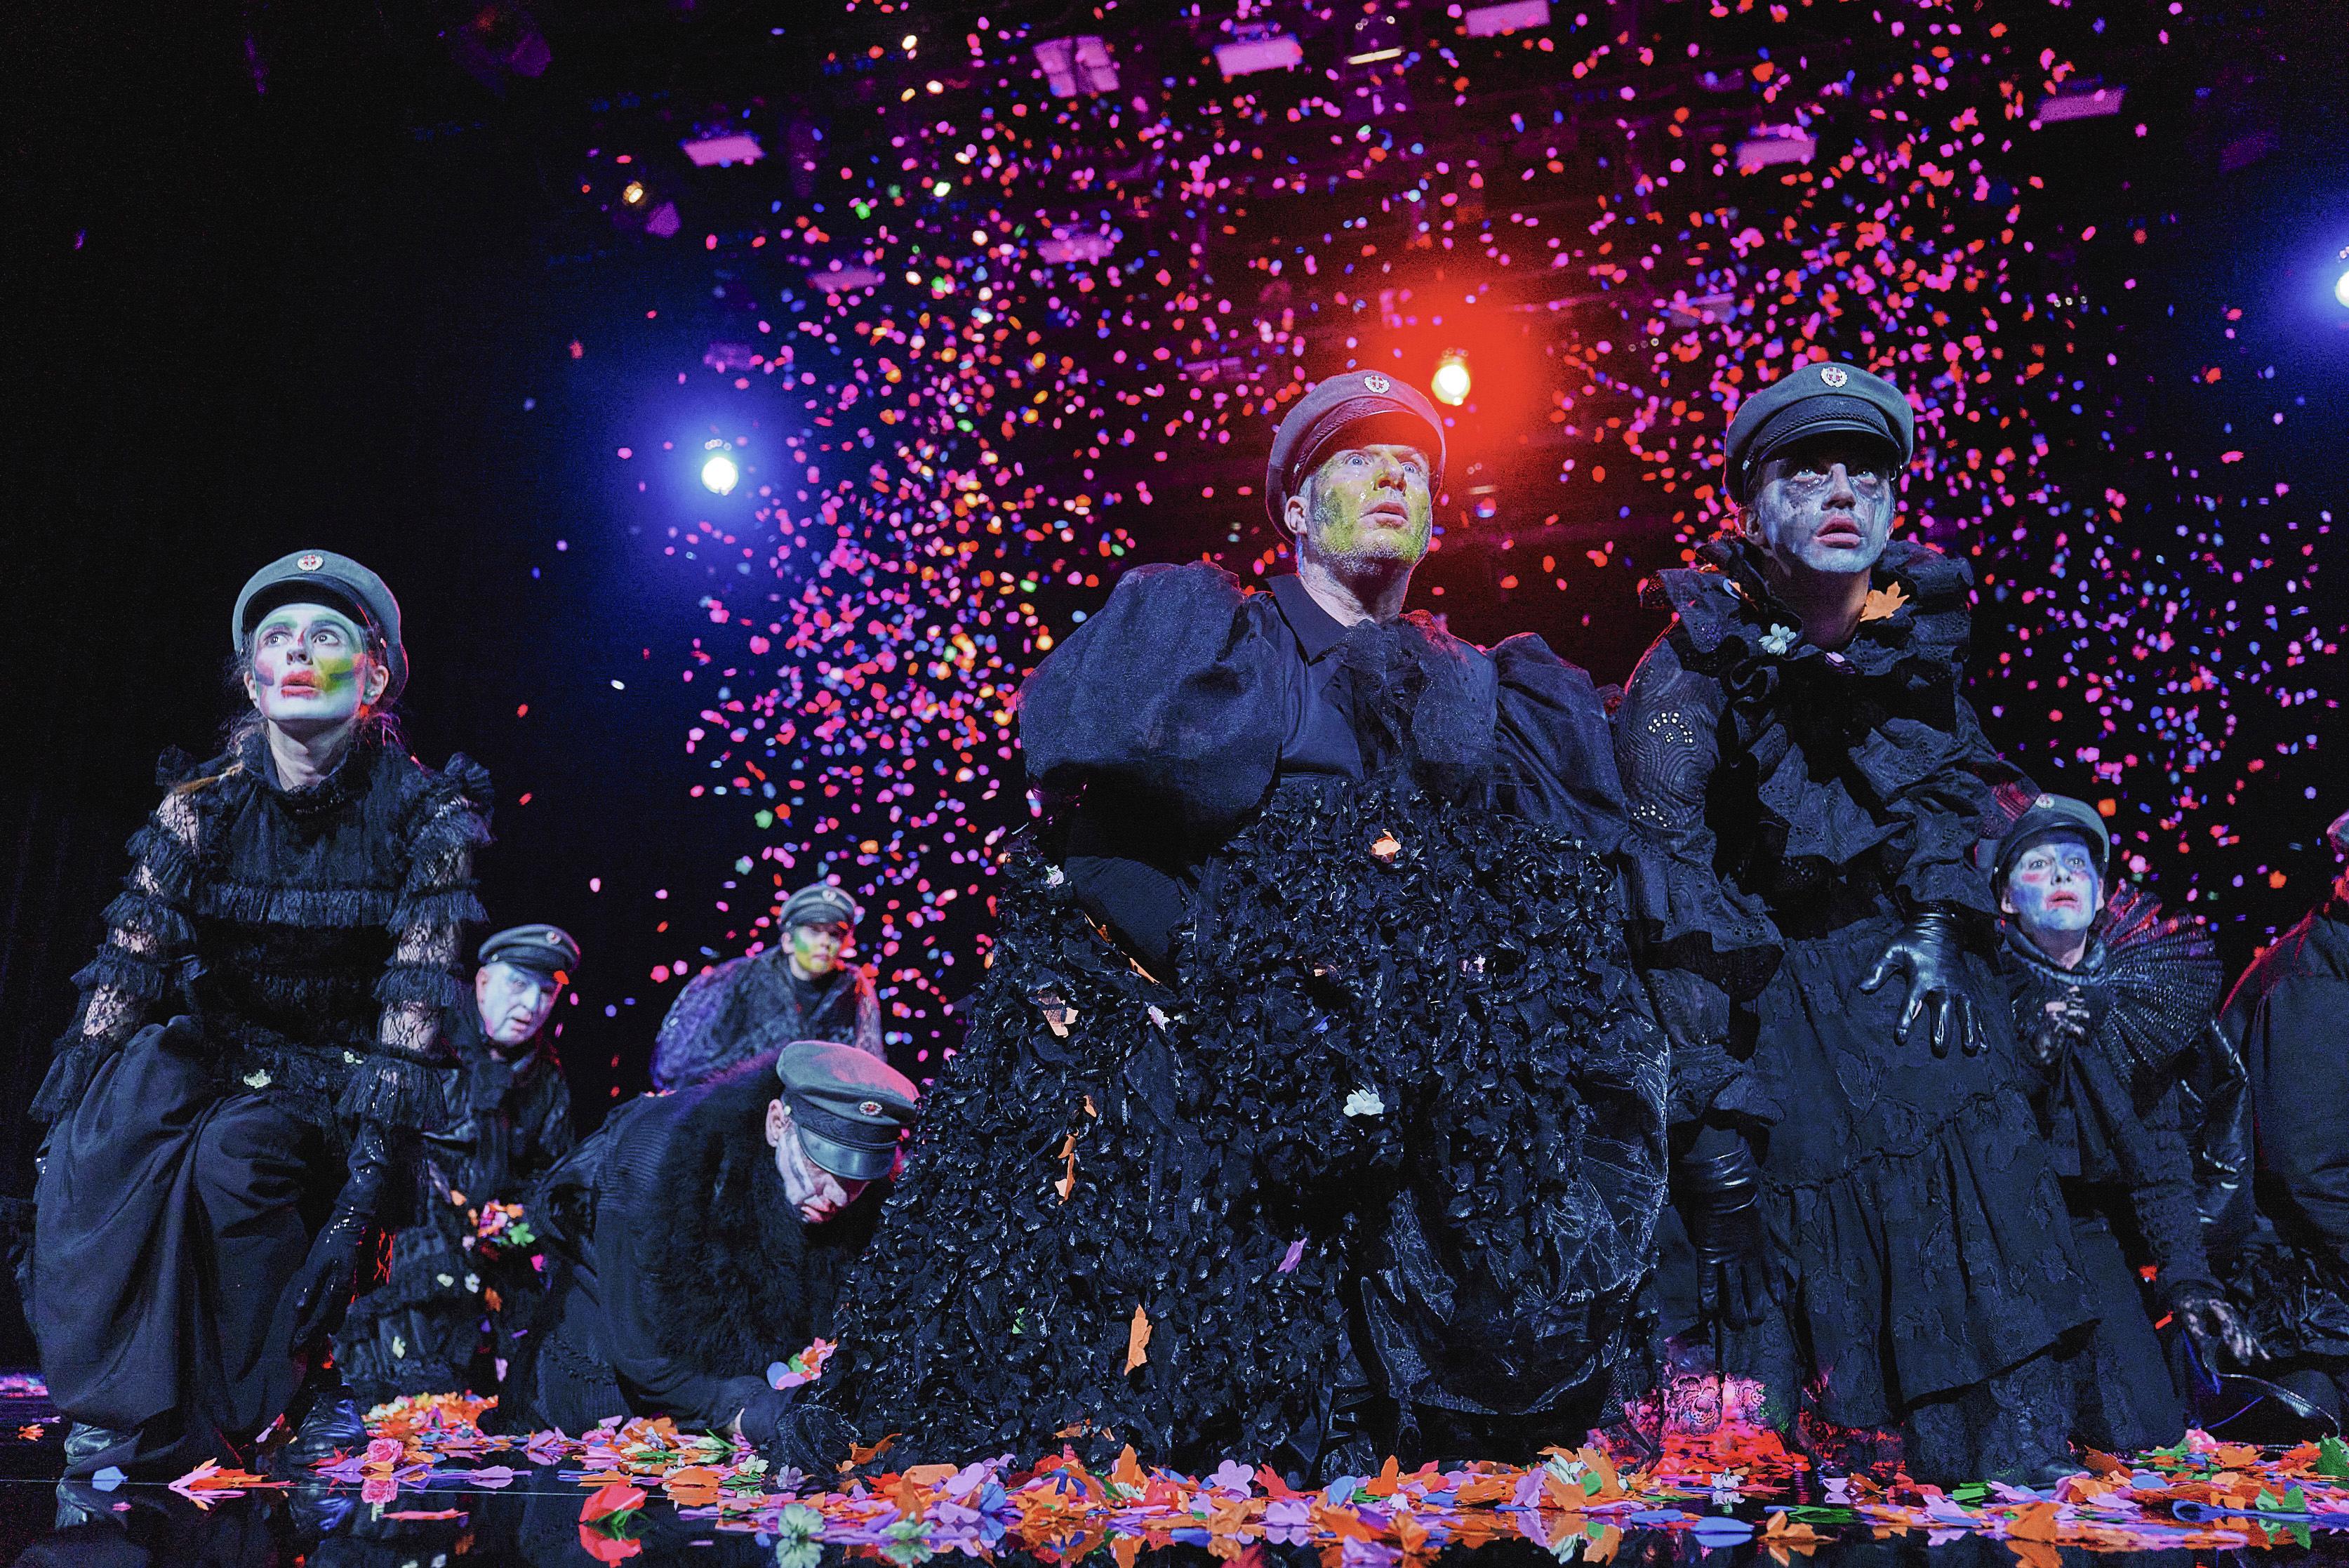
<point>2060,1028</point>
<point>328,1276</point>
<point>1930,954</point>
<point>2221,1334</point>
<point>796,1434</point>
<point>1717,1189</point>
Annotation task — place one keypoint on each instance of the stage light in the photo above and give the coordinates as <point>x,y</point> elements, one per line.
<point>632,193</point>
<point>1450,382</point>
<point>2341,288</point>
<point>718,473</point>
<point>1261,49</point>
<point>1078,64</point>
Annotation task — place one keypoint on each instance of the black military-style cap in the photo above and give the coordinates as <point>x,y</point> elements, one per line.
<point>1812,400</point>
<point>543,949</point>
<point>821,904</point>
<point>2049,816</point>
<point>1357,408</point>
<point>849,1107</point>
<point>323,577</point>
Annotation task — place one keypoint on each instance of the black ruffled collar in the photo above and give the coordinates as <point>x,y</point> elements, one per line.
<point>1919,611</point>
<point>343,782</point>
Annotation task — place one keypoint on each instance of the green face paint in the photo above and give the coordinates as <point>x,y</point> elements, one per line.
<point>1371,503</point>
<point>815,949</point>
<point>309,665</point>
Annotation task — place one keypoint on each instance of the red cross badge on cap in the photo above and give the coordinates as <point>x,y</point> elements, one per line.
<point>1377,383</point>
<point>1834,375</point>
<point>870,1108</point>
<point>311,563</point>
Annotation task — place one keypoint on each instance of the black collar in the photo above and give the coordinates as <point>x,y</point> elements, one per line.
<point>1316,629</point>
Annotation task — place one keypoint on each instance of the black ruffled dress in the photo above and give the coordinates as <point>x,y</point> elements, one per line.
<point>1372,1152</point>
<point>2114,1111</point>
<point>1801,805</point>
<point>304,946</point>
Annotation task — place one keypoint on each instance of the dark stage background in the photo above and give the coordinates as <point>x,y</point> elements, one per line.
<point>367,276</point>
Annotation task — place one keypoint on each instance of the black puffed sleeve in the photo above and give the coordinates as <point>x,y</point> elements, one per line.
<point>1553,728</point>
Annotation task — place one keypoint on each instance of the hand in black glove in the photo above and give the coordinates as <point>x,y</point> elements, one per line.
<point>2061,1028</point>
<point>797,1435</point>
<point>1929,953</point>
<point>2221,1336</point>
<point>324,1283</point>
<point>1717,1189</point>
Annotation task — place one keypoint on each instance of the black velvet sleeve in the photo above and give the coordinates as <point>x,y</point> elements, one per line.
<point>1167,698</point>
<point>1702,948</point>
<point>1552,727</point>
<point>2290,1027</point>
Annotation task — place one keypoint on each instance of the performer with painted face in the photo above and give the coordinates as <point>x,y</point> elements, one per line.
<point>1856,1164</point>
<point>2113,1001</point>
<point>255,1048</point>
<point>1307,1108</point>
<point>461,1279</point>
<point>803,989</point>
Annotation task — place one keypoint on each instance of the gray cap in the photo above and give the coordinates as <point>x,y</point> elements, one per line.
<point>323,577</point>
<point>849,1107</point>
<point>1813,400</point>
<point>821,904</point>
<point>1358,408</point>
<point>2050,817</point>
<point>549,951</point>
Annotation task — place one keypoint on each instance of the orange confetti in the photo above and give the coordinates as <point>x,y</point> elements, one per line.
<point>1881,602</point>
<point>1137,1340</point>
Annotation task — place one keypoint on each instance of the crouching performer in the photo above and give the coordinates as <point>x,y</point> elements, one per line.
<point>255,1050</point>
<point>704,1236</point>
<point>1308,1110</point>
<point>1856,1164</point>
<point>461,1280</point>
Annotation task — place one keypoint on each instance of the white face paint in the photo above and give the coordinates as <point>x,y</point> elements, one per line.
<point>1825,504</point>
<point>514,1003</point>
<point>2054,890</point>
<point>815,1191</point>
<point>311,670</point>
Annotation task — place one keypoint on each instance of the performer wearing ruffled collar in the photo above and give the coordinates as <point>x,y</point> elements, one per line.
<point>1309,1110</point>
<point>255,1048</point>
<point>2114,1002</point>
<point>1877,1225</point>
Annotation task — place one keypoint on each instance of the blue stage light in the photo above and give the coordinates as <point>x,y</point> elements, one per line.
<point>719,474</point>
<point>2341,288</point>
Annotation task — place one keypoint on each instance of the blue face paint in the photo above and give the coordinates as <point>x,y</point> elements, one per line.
<point>2055,890</point>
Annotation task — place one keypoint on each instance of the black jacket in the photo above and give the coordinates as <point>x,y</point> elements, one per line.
<point>684,1272</point>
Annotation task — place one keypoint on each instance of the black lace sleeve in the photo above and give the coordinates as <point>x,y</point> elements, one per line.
<point>128,985</point>
<point>1703,949</point>
<point>425,981</point>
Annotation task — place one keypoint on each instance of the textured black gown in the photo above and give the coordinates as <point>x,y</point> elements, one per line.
<point>1382,1121</point>
<point>2114,1111</point>
<point>1803,804</point>
<point>306,945</point>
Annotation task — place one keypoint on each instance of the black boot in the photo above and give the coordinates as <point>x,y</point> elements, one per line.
<point>89,1449</point>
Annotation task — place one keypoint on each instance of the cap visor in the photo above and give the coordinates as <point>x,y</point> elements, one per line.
<point>848,1163</point>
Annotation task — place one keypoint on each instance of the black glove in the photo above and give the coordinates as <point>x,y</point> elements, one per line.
<point>328,1276</point>
<point>2221,1334</point>
<point>1717,1189</point>
<point>796,1434</point>
<point>1929,953</point>
<point>2060,1028</point>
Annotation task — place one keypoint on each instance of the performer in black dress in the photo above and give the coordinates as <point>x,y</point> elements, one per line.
<point>1308,1110</point>
<point>1858,1166</point>
<point>462,1281</point>
<point>802,988</point>
<point>255,1047</point>
<point>2114,1002</point>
